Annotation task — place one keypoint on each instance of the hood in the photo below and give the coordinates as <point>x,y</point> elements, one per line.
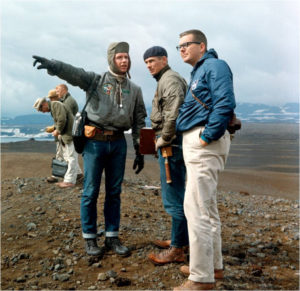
<point>211,53</point>
<point>113,49</point>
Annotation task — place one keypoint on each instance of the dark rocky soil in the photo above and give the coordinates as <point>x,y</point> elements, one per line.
<point>42,247</point>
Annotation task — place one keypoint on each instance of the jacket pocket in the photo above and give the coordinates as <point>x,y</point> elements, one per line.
<point>198,137</point>
<point>194,139</point>
<point>220,146</point>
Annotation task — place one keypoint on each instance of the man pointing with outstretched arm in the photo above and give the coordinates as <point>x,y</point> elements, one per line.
<point>116,105</point>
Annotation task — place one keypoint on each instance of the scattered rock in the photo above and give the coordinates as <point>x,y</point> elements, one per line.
<point>61,277</point>
<point>31,226</point>
<point>97,265</point>
<point>120,282</point>
<point>24,256</point>
<point>111,274</point>
<point>256,271</point>
<point>102,277</point>
<point>257,231</point>
<point>20,280</point>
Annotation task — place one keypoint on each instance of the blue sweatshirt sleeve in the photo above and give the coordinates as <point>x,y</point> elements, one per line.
<point>220,84</point>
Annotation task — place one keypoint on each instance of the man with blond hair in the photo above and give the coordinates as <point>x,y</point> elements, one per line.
<point>115,104</point>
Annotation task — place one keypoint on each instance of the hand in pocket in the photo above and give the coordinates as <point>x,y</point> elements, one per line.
<point>203,143</point>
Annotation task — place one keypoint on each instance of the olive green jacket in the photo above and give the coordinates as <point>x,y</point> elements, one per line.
<point>170,92</point>
<point>63,120</point>
<point>70,102</point>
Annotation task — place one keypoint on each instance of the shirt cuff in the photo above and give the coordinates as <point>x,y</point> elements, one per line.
<point>205,139</point>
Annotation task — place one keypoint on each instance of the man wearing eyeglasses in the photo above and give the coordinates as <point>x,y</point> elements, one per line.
<point>203,118</point>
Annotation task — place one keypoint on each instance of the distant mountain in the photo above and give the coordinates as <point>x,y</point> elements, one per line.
<point>247,112</point>
<point>29,119</point>
<point>250,112</point>
<point>260,113</point>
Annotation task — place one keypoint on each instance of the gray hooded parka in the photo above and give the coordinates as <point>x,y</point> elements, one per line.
<point>105,109</point>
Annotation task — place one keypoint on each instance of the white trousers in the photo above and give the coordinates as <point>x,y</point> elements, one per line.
<point>59,151</point>
<point>203,165</point>
<point>71,157</point>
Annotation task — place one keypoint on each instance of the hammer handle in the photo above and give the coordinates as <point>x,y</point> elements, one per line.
<point>168,173</point>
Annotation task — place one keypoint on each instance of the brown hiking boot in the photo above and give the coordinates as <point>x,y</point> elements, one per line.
<point>164,244</point>
<point>171,255</point>
<point>192,285</point>
<point>219,274</point>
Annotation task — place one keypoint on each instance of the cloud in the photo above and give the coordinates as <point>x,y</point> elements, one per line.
<point>256,82</point>
<point>258,39</point>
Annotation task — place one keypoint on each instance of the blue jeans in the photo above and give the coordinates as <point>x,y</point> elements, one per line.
<point>98,156</point>
<point>173,193</point>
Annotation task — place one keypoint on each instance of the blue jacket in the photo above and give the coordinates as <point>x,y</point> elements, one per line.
<point>211,82</point>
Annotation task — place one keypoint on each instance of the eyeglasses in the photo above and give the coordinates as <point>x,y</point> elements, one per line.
<point>186,44</point>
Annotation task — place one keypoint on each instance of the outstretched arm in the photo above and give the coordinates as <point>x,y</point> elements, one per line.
<point>75,76</point>
<point>44,63</point>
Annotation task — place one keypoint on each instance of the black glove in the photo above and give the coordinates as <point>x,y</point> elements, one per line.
<point>44,63</point>
<point>138,161</point>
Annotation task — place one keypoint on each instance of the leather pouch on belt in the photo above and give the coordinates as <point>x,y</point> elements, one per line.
<point>89,131</point>
<point>166,151</point>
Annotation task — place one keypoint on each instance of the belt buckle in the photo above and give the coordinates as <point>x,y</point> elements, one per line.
<point>99,131</point>
<point>108,132</point>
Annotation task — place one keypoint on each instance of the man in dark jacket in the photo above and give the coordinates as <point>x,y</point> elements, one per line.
<point>169,95</point>
<point>203,119</point>
<point>116,105</point>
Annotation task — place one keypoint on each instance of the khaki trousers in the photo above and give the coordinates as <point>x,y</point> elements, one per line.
<point>59,151</point>
<point>71,157</point>
<point>203,165</point>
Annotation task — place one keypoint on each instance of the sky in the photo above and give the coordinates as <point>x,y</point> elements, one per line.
<point>259,39</point>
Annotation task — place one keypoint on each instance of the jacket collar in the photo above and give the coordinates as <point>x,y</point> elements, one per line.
<point>211,53</point>
<point>120,78</point>
<point>65,97</point>
<point>162,71</point>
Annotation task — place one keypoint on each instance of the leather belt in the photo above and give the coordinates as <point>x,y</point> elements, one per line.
<point>104,131</point>
<point>107,135</point>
